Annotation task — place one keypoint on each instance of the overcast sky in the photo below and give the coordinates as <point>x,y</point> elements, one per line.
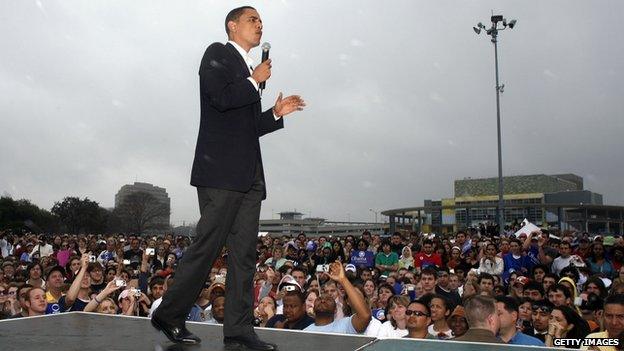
<point>401,100</point>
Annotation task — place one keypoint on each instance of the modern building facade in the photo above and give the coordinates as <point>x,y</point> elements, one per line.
<point>558,201</point>
<point>160,194</point>
<point>293,223</point>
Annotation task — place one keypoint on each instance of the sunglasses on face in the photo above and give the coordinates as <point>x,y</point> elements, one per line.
<point>416,313</point>
<point>545,309</point>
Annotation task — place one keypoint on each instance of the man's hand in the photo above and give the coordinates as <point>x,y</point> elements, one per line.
<point>287,105</point>
<point>262,72</point>
<point>336,272</point>
<point>111,287</point>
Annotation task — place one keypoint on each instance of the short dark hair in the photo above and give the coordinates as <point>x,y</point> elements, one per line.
<point>533,285</point>
<point>511,305</point>
<point>543,267</point>
<point>422,303</point>
<point>156,281</point>
<point>299,269</point>
<point>429,271</point>
<point>486,276</point>
<point>298,294</point>
<point>551,275</point>
<point>562,288</point>
<point>614,299</point>
<point>234,15</point>
<point>571,270</point>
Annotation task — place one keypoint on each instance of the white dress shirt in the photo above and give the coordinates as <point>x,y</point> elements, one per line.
<point>249,62</point>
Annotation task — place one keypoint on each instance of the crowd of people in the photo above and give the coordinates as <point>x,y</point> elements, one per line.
<point>470,285</point>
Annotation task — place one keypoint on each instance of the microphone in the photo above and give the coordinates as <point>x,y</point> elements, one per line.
<point>265,56</point>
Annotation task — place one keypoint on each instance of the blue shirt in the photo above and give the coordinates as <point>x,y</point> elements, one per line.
<point>523,339</point>
<point>342,326</point>
<point>521,265</point>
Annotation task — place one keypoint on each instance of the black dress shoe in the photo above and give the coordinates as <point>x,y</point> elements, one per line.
<point>249,342</point>
<point>174,333</point>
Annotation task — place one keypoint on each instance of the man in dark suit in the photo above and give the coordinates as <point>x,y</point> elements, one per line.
<point>482,319</point>
<point>229,177</point>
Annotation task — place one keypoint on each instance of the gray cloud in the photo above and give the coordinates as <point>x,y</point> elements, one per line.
<point>401,98</point>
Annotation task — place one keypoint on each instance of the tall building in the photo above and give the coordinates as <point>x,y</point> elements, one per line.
<point>160,194</point>
<point>549,200</point>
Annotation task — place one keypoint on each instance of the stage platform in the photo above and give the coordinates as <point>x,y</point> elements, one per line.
<point>89,331</point>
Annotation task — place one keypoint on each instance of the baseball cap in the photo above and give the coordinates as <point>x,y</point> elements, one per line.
<point>288,280</point>
<point>123,294</point>
<point>55,269</point>
<point>521,280</point>
<point>350,268</point>
<point>459,311</point>
<point>608,241</point>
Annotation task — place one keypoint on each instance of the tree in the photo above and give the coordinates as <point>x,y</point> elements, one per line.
<point>141,211</point>
<point>79,215</point>
<point>20,215</point>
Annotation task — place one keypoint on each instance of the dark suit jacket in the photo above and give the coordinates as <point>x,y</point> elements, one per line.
<point>228,147</point>
<point>478,335</point>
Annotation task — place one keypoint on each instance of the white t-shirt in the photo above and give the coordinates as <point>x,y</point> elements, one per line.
<point>373,328</point>
<point>46,250</point>
<point>155,305</point>
<point>6,249</point>
<point>388,331</point>
<point>341,326</point>
<point>560,263</point>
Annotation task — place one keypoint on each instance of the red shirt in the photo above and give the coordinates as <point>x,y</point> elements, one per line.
<point>422,259</point>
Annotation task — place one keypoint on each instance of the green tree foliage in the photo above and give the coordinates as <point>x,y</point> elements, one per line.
<point>80,216</point>
<point>22,215</point>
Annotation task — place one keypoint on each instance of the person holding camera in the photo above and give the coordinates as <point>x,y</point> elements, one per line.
<point>77,297</point>
<point>325,308</point>
<point>42,249</point>
<point>133,302</point>
<point>110,288</point>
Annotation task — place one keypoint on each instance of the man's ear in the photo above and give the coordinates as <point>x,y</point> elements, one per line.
<point>232,26</point>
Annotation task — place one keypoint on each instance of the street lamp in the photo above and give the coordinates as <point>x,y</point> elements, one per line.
<point>376,212</point>
<point>493,32</point>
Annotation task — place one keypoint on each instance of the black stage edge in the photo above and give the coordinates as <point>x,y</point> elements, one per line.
<point>90,331</point>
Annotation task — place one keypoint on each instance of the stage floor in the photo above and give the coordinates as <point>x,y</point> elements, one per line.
<point>89,331</point>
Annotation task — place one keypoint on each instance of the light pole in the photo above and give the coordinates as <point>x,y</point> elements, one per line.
<point>376,212</point>
<point>493,32</point>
